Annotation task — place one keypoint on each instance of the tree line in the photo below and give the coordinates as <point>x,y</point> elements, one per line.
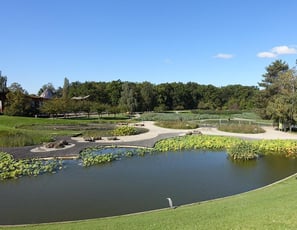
<point>275,97</point>
<point>131,97</point>
<point>123,96</point>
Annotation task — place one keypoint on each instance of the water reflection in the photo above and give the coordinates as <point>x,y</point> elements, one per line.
<point>133,185</point>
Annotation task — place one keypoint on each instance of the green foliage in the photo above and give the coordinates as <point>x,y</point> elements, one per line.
<point>282,105</point>
<point>270,85</point>
<point>241,128</point>
<point>18,104</point>
<point>195,142</point>
<point>172,116</point>
<point>177,124</point>
<point>124,131</point>
<point>15,138</point>
<point>13,169</point>
<point>89,159</point>
<point>24,131</point>
<point>243,150</point>
<point>128,101</point>
<point>91,156</point>
<point>286,148</point>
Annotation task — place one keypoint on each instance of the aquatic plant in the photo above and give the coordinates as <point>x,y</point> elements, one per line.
<point>11,168</point>
<point>286,148</point>
<point>97,155</point>
<point>189,142</point>
<point>243,150</point>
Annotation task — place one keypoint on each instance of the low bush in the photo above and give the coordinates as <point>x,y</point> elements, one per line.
<point>177,124</point>
<point>124,131</point>
<point>189,142</point>
<point>243,150</point>
<point>241,128</point>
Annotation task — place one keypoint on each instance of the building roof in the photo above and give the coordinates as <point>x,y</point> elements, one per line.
<point>47,93</point>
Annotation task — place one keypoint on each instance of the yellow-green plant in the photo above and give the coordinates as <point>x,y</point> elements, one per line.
<point>11,168</point>
<point>195,142</point>
<point>244,150</point>
<point>124,131</point>
<point>287,148</point>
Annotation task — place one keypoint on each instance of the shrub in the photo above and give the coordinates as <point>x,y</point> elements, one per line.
<point>124,131</point>
<point>241,128</point>
<point>189,142</point>
<point>177,124</point>
<point>243,150</point>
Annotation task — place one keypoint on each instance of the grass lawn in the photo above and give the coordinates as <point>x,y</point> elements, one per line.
<point>274,207</point>
<point>23,131</point>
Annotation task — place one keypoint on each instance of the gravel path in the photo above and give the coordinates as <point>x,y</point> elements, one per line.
<point>147,139</point>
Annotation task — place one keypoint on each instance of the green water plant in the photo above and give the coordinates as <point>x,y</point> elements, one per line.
<point>124,131</point>
<point>287,148</point>
<point>190,142</point>
<point>102,155</point>
<point>243,150</point>
<point>11,168</point>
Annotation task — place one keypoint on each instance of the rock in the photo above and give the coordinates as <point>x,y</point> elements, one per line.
<point>49,145</point>
<point>92,139</point>
<point>112,138</point>
<point>56,144</point>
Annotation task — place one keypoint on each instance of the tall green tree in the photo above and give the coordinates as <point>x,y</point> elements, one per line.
<point>114,90</point>
<point>18,102</point>
<point>164,98</point>
<point>3,84</point>
<point>65,92</point>
<point>3,91</point>
<point>268,86</point>
<point>283,106</point>
<point>128,101</point>
<point>148,96</point>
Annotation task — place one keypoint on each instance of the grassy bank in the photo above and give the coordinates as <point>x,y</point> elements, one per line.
<point>24,131</point>
<point>273,207</point>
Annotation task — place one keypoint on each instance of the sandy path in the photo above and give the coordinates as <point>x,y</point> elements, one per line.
<point>154,131</point>
<point>270,133</point>
<point>147,139</point>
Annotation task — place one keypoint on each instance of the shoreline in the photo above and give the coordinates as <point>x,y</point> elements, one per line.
<point>148,139</point>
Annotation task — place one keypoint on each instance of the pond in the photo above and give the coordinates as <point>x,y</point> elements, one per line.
<point>134,184</point>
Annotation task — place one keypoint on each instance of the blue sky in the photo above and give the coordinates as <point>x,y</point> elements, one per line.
<point>219,42</point>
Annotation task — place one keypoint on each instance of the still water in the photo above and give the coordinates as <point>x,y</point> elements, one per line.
<point>134,184</point>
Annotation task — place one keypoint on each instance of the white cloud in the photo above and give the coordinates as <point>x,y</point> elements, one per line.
<point>266,55</point>
<point>224,56</point>
<point>276,51</point>
<point>284,50</point>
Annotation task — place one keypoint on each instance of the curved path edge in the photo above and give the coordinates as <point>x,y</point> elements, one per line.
<point>147,139</point>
